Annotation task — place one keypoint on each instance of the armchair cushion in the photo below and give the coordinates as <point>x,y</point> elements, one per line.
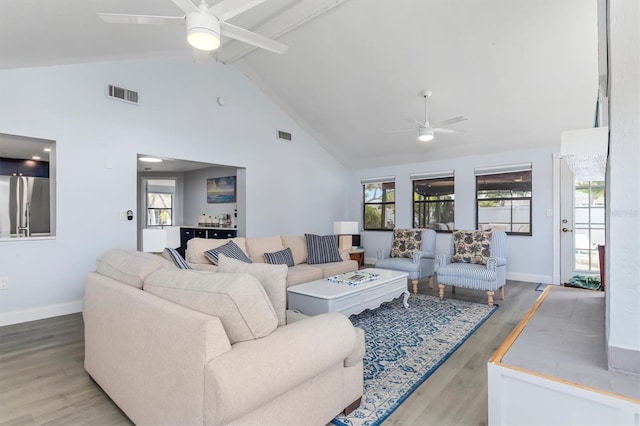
<point>406,242</point>
<point>471,247</point>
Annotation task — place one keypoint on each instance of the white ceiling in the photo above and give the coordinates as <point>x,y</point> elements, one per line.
<point>522,71</point>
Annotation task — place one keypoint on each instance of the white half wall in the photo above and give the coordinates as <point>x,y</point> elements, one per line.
<point>530,257</point>
<point>292,187</point>
<point>623,188</point>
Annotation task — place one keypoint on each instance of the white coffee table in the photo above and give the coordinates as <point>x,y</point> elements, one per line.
<point>321,296</point>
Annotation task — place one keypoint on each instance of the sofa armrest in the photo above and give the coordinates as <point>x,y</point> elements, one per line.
<point>383,253</point>
<point>443,259</point>
<point>344,254</point>
<point>255,372</point>
<point>147,353</point>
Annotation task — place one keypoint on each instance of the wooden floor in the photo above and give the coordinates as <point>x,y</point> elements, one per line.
<point>42,379</point>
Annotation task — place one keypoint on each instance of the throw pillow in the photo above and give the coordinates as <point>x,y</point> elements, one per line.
<point>230,249</point>
<point>272,277</point>
<point>174,256</point>
<point>406,242</point>
<point>322,249</point>
<point>471,247</point>
<point>282,257</point>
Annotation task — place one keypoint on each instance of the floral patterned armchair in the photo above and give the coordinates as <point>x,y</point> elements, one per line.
<point>478,261</point>
<point>412,251</point>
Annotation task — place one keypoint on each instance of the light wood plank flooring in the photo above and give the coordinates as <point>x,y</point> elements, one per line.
<point>42,379</point>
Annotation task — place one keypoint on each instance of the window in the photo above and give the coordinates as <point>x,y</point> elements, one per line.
<point>160,202</point>
<point>588,224</point>
<point>433,201</point>
<point>379,204</point>
<point>503,199</point>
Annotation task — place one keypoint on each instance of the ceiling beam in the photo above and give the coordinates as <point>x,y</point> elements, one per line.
<point>291,18</point>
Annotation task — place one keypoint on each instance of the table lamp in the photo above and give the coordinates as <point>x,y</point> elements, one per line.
<point>345,230</point>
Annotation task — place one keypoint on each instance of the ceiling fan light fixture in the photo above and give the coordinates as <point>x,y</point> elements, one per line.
<point>425,135</point>
<point>203,31</point>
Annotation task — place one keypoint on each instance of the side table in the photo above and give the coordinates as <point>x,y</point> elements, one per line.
<point>357,255</point>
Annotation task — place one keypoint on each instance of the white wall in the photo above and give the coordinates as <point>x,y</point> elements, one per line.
<point>291,187</point>
<point>623,186</point>
<point>530,257</point>
<point>195,195</point>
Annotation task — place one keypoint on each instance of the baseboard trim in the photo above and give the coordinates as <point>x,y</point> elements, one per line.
<point>624,360</point>
<point>531,278</point>
<point>41,312</point>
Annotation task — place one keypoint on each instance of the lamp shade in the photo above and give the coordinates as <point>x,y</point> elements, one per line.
<point>345,228</point>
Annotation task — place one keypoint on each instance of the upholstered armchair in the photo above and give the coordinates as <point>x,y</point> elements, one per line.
<point>478,261</point>
<point>412,251</point>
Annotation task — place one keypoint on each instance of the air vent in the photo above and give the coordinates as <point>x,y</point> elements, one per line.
<point>283,136</point>
<point>122,94</point>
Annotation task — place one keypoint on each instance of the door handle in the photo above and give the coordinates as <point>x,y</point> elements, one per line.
<point>567,230</point>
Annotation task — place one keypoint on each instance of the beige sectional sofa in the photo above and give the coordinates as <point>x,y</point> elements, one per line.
<point>190,347</point>
<point>255,248</point>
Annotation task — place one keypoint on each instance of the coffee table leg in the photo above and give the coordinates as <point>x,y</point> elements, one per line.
<point>406,297</point>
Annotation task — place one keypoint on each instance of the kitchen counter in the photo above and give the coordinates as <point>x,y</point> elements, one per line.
<point>217,228</point>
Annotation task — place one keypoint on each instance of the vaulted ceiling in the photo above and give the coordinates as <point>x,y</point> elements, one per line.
<point>521,71</point>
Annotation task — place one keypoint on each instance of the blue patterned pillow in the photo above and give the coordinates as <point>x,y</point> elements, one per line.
<point>174,256</point>
<point>230,249</point>
<point>322,249</point>
<point>282,257</point>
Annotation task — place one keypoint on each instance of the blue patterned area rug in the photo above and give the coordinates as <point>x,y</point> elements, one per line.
<point>405,346</point>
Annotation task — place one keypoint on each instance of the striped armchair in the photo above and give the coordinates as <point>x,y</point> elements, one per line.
<point>457,270</point>
<point>419,264</point>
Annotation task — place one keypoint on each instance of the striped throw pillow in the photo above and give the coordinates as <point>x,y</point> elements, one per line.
<point>282,257</point>
<point>230,249</point>
<point>322,249</point>
<point>174,256</point>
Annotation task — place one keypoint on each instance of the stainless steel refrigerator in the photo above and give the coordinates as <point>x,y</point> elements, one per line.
<point>24,206</point>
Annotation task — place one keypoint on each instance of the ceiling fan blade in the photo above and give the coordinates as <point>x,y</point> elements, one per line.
<point>399,131</point>
<point>252,38</point>
<point>186,6</point>
<point>114,18</point>
<point>443,130</point>
<point>227,9</point>
<point>451,121</point>
<point>419,123</point>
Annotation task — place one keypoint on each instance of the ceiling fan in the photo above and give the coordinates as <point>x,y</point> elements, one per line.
<point>425,129</point>
<point>205,24</point>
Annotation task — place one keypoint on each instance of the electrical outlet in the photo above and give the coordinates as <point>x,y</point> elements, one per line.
<point>4,283</point>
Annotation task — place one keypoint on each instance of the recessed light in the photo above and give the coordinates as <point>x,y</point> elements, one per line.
<point>47,150</point>
<point>150,160</point>
<point>35,157</point>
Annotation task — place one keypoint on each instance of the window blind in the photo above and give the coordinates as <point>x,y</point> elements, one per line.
<point>509,168</point>
<point>432,175</point>
<point>380,179</point>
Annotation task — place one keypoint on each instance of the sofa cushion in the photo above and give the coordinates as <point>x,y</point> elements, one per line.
<point>272,277</point>
<point>322,249</point>
<point>282,257</point>
<point>335,268</point>
<point>257,247</point>
<point>128,266</point>
<point>298,246</point>
<point>406,242</point>
<point>172,255</point>
<point>303,273</point>
<point>230,250</point>
<point>471,247</point>
<point>238,300</point>
<point>197,246</point>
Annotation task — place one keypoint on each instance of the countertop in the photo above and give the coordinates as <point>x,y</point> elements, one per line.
<point>219,228</point>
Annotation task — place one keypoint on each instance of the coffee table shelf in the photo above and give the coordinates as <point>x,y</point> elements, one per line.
<point>322,296</point>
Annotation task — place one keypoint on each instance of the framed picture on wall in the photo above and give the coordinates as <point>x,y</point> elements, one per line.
<point>221,190</point>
